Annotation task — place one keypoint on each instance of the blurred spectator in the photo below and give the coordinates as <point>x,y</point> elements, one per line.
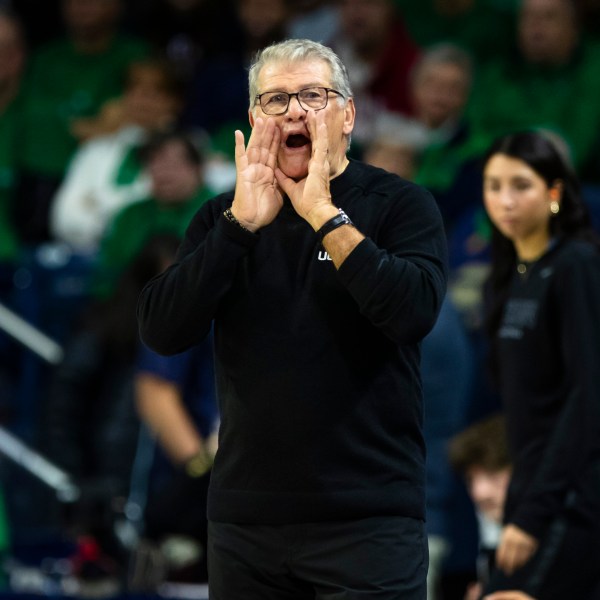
<point>263,22</point>
<point>174,164</point>
<point>440,89</point>
<point>175,398</point>
<point>396,144</point>
<point>12,63</point>
<point>480,455</point>
<point>447,374</point>
<point>89,424</point>
<point>187,32</point>
<point>467,23</point>
<point>106,173</point>
<point>551,80</point>
<point>70,77</point>
<point>218,98</point>
<point>435,147</point>
<point>379,54</point>
<point>316,20</point>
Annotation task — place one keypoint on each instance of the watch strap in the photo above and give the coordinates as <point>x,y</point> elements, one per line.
<point>334,223</point>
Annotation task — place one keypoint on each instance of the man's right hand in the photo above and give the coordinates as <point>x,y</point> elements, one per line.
<point>257,199</point>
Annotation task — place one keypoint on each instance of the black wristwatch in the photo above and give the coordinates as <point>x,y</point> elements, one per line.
<point>334,223</point>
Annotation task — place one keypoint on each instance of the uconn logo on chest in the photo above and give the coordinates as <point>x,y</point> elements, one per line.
<point>323,255</point>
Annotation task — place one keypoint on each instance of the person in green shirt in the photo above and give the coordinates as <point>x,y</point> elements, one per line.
<point>551,81</point>
<point>174,164</point>
<point>69,79</point>
<point>482,27</point>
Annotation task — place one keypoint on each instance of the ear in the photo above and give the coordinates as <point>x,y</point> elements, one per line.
<point>556,190</point>
<point>349,115</point>
<point>251,117</point>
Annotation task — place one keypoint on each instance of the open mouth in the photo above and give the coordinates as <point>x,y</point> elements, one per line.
<point>297,140</point>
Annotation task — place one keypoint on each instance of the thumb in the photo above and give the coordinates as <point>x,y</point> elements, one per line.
<point>287,184</point>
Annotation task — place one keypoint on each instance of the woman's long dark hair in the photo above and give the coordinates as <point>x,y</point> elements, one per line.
<point>542,154</point>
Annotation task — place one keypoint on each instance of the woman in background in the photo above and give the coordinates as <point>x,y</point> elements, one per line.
<point>543,318</point>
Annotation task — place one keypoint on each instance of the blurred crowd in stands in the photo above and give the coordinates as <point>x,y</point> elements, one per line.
<point>116,124</point>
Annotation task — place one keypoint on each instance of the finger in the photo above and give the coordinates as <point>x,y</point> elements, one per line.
<point>522,555</point>
<point>512,560</point>
<point>320,148</point>
<point>504,557</point>
<point>241,160</point>
<point>311,125</point>
<point>317,128</point>
<point>287,184</point>
<point>254,143</point>
<point>274,149</point>
<point>265,131</point>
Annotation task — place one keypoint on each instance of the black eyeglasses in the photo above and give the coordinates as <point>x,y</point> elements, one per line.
<point>313,98</point>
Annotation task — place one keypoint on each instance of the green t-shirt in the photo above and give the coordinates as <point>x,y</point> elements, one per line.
<point>62,85</point>
<point>133,226</point>
<point>510,96</point>
<point>470,29</point>
<point>440,162</point>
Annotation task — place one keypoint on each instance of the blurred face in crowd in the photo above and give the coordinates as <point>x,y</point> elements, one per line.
<point>366,22</point>
<point>12,52</point>
<point>175,178</point>
<point>488,491</point>
<point>440,93</point>
<point>148,99</point>
<point>261,17</point>
<point>547,31</point>
<point>517,200</point>
<point>296,146</point>
<point>90,17</point>
<point>393,157</point>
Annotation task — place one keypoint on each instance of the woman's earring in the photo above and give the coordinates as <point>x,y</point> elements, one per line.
<point>554,207</point>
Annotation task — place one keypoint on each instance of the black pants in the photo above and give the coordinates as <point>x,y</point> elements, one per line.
<point>383,558</point>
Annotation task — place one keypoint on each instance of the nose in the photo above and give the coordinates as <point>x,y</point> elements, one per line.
<point>506,198</point>
<point>294,110</point>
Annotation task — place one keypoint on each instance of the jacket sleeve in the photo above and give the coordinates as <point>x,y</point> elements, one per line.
<point>398,276</point>
<point>176,308</point>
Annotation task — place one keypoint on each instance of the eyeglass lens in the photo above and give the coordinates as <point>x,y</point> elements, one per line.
<point>277,102</point>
